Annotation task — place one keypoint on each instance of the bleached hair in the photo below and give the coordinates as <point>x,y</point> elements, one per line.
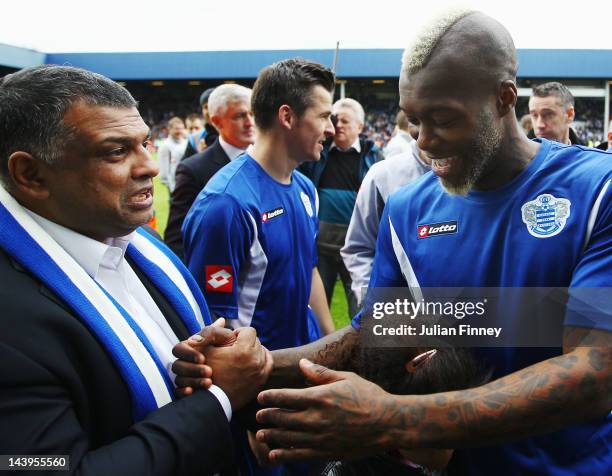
<point>417,55</point>
<point>350,103</point>
<point>219,99</point>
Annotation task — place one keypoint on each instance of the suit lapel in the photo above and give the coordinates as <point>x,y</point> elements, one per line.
<point>219,155</point>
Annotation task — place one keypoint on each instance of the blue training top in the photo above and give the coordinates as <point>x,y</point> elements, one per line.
<point>549,227</point>
<point>250,243</point>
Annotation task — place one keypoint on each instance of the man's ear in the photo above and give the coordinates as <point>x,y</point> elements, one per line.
<point>215,120</point>
<point>571,114</point>
<point>286,117</point>
<point>27,175</point>
<point>507,97</point>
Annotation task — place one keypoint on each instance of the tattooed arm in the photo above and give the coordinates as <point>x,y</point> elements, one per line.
<point>571,388</point>
<point>561,391</point>
<point>335,351</point>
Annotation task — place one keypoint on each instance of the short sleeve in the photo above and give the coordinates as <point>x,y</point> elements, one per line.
<point>217,235</point>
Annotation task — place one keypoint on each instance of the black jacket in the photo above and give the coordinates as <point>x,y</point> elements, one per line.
<point>60,393</point>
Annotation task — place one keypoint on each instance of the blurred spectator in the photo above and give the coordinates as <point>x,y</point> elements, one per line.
<point>194,124</point>
<point>198,141</point>
<point>526,125</point>
<point>551,107</point>
<point>400,142</point>
<point>171,151</point>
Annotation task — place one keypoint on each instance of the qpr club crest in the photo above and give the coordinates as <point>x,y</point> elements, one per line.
<point>307,204</point>
<point>546,215</point>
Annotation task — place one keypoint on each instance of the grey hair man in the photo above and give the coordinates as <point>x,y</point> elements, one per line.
<point>229,106</point>
<point>551,107</point>
<point>105,298</point>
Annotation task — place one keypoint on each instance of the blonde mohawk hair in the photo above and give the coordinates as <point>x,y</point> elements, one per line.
<point>415,57</point>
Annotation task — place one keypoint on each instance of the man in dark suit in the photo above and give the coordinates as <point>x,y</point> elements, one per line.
<point>91,308</point>
<point>230,112</point>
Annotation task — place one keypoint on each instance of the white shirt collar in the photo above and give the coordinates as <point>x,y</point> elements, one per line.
<point>231,151</point>
<point>87,252</point>
<point>355,145</point>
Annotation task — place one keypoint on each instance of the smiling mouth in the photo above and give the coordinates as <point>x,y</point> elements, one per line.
<point>444,166</point>
<point>143,198</point>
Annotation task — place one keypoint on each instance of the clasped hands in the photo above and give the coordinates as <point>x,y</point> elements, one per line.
<point>234,360</point>
<point>318,422</point>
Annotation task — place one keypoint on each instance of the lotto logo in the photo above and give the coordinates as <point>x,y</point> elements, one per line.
<point>445,228</point>
<point>219,279</point>
<point>272,214</point>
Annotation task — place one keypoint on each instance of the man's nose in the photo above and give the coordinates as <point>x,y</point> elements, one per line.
<point>426,138</point>
<point>145,166</point>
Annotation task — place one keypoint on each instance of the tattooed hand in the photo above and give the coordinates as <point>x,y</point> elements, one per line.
<point>322,421</point>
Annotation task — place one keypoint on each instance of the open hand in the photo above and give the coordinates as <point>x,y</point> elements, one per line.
<point>331,420</point>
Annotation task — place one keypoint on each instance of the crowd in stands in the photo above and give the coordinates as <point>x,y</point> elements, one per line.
<point>380,123</point>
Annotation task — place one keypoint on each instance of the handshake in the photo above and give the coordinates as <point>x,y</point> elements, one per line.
<point>234,360</point>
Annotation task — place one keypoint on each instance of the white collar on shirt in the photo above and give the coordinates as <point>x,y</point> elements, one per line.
<point>124,286</point>
<point>355,145</point>
<point>231,151</point>
<point>89,253</point>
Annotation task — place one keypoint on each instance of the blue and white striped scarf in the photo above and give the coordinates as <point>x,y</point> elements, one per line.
<point>148,381</point>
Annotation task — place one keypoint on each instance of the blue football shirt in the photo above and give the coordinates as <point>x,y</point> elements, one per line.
<point>250,243</point>
<point>549,227</point>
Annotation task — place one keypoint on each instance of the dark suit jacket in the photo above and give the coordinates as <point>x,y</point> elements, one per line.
<point>192,174</point>
<point>61,394</point>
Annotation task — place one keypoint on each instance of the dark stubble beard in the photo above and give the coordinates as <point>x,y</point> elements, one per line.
<point>486,145</point>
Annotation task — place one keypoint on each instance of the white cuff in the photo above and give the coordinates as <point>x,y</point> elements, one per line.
<point>223,400</point>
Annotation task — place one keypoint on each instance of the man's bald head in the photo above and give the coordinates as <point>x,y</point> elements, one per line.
<point>464,41</point>
<point>458,85</point>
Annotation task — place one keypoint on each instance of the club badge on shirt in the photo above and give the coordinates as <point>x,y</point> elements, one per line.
<point>546,215</point>
<point>307,204</point>
<point>219,279</point>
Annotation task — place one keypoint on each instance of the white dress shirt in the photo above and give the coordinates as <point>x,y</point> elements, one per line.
<point>231,150</point>
<point>105,263</point>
